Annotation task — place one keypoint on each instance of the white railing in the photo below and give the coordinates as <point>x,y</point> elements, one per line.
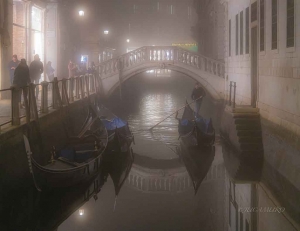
<point>161,55</point>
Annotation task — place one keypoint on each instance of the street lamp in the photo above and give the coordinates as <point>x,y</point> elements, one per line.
<point>81,212</point>
<point>106,32</point>
<point>81,13</point>
<point>128,40</point>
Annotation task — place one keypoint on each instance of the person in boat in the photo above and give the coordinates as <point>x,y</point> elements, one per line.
<point>197,95</point>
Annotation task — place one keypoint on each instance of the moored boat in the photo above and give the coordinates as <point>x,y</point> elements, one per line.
<point>195,130</point>
<point>78,161</point>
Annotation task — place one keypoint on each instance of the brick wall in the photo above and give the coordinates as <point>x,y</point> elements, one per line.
<point>19,34</point>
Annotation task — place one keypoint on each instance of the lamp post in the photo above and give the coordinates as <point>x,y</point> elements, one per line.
<point>81,13</point>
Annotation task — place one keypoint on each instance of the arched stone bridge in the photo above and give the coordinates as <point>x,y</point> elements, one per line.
<point>208,72</point>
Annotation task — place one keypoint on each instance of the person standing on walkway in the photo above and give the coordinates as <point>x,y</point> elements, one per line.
<point>22,78</point>
<point>36,69</point>
<point>12,65</point>
<point>50,71</point>
<point>72,69</point>
<point>197,95</point>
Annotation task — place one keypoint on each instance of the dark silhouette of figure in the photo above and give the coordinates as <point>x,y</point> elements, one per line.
<point>198,94</point>
<point>12,65</point>
<point>49,71</point>
<point>36,69</point>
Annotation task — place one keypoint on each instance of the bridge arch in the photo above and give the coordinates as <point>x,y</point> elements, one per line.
<point>209,73</point>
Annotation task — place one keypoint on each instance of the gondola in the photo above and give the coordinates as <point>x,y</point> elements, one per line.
<point>197,161</point>
<point>118,161</point>
<point>77,162</point>
<point>112,124</point>
<point>195,130</point>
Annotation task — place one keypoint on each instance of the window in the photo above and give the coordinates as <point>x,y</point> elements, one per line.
<point>247,31</point>
<point>229,38</point>
<point>274,24</point>
<point>171,9</point>
<point>290,37</point>
<point>135,8</point>
<point>254,12</point>
<point>189,12</point>
<point>241,32</point>
<point>262,25</point>
<point>237,34</point>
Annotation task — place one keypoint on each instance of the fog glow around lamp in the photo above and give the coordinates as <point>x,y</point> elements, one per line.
<point>81,13</point>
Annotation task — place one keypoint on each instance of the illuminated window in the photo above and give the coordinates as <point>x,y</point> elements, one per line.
<point>135,9</point>
<point>290,36</point>
<point>172,9</point>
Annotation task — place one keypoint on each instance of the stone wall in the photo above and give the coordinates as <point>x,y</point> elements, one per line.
<point>279,70</point>
<point>13,159</point>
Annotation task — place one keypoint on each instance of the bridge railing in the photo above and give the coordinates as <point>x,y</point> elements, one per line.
<point>32,101</point>
<point>162,55</point>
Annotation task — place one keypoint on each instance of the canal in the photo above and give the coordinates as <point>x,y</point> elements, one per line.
<point>234,194</point>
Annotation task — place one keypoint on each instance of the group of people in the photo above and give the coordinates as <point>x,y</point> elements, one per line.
<point>21,74</point>
<point>76,70</point>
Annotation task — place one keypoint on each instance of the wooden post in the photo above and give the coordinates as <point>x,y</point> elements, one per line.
<point>65,100</point>
<point>234,92</point>
<point>71,89</point>
<point>33,104</point>
<point>230,93</point>
<point>87,85</point>
<point>44,106</point>
<point>82,86</point>
<point>27,103</point>
<point>54,93</point>
<point>77,80</point>
<point>15,110</point>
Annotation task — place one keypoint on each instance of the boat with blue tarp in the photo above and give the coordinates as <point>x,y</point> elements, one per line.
<point>195,130</point>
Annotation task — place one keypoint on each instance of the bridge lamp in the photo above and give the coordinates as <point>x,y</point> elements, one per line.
<point>106,32</point>
<point>81,212</point>
<point>128,40</point>
<point>81,13</point>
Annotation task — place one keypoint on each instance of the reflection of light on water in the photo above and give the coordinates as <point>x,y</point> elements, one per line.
<point>81,212</point>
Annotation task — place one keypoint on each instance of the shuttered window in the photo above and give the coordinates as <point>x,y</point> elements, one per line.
<point>262,24</point>
<point>274,24</point>
<point>247,30</point>
<point>290,38</point>
<point>242,33</point>
<point>237,34</point>
<point>229,38</point>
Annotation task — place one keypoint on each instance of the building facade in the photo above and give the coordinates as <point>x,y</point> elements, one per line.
<point>27,28</point>
<point>263,57</point>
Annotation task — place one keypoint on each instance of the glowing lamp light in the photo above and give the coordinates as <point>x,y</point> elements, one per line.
<point>81,212</point>
<point>128,40</point>
<point>106,32</point>
<point>81,13</point>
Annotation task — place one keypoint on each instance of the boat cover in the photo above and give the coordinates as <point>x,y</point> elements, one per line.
<point>113,124</point>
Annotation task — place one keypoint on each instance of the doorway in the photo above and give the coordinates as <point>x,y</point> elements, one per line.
<point>254,66</point>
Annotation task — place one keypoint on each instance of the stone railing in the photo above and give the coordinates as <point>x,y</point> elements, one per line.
<point>161,55</point>
<point>34,100</point>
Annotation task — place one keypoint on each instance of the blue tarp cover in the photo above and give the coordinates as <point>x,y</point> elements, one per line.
<point>115,123</point>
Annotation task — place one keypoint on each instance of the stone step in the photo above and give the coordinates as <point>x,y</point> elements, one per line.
<point>245,110</point>
<point>255,120</point>
<point>256,133</point>
<point>248,127</point>
<point>250,139</point>
<point>245,115</point>
<point>251,147</point>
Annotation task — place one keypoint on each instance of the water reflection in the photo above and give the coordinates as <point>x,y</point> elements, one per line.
<point>234,192</point>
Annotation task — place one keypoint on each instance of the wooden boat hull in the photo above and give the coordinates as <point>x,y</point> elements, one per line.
<point>55,179</point>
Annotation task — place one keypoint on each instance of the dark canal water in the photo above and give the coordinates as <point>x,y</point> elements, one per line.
<point>158,194</point>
